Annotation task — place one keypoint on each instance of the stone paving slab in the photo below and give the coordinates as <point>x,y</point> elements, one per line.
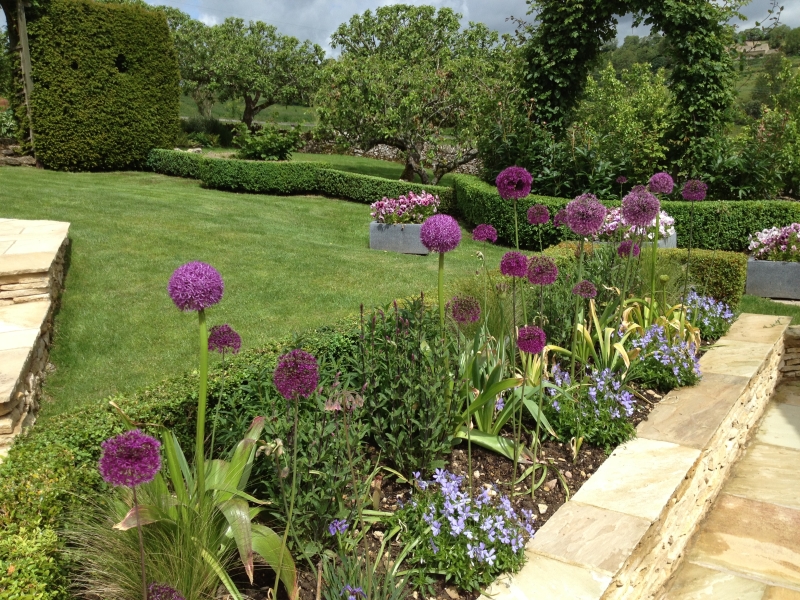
<point>738,358</point>
<point>638,478</point>
<point>754,538</point>
<point>696,583</point>
<point>774,593</point>
<point>689,416</point>
<point>781,426</point>
<point>767,474</point>
<point>788,393</point>
<point>764,329</point>
<point>22,316</point>
<point>12,362</point>
<point>543,578</point>
<point>22,264</point>
<point>589,536</point>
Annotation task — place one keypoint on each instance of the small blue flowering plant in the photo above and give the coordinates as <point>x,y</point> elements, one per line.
<point>667,361</point>
<point>712,317</point>
<point>469,541</point>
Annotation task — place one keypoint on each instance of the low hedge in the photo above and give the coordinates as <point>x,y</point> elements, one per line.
<point>722,225</point>
<point>257,177</point>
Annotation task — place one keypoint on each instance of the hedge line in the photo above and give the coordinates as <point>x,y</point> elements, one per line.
<point>724,225</point>
<point>106,84</point>
<point>288,178</point>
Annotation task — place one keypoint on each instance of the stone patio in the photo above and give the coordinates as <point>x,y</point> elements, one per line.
<point>622,535</point>
<point>31,275</point>
<point>748,548</point>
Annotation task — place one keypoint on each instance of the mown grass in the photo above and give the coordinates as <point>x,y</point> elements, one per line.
<point>233,109</point>
<point>765,306</point>
<point>289,264</point>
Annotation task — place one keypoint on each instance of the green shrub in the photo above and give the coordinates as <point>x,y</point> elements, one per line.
<point>723,225</point>
<point>175,163</point>
<point>106,88</point>
<point>289,178</point>
<point>29,564</point>
<point>269,143</point>
<point>210,126</point>
<point>720,274</point>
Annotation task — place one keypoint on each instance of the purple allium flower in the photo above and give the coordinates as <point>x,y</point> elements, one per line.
<point>585,289</point>
<point>694,190</point>
<point>353,593</point>
<point>531,339</point>
<point>514,264</point>
<point>158,591</point>
<point>627,247</point>
<point>661,183</point>
<point>130,459</point>
<point>560,218</point>
<point>542,270</point>
<point>337,526</point>
<point>585,215</point>
<point>223,338</point>
<point>465,309</point>
<point>296,375</point>
<point>440,233</point>
<point>538,214</point>
<point>514,183</point>
<point>195,286</point>
<point>622,179</point>
<point>640,207</point>
<point>485,233</point>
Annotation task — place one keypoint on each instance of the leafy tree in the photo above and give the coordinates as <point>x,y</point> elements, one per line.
<point>410,77</point>
<point>5,64</point>
<point>791,44</point>
<point>778,35</point>
<point>257,63</point>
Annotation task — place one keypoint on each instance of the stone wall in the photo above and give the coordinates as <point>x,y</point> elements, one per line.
<point>790,365</point>
<point>31,287</point>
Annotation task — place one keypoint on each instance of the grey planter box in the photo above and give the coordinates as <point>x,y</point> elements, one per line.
<point>396,238</point>
<point>773,279</point>
<point>670,242</point>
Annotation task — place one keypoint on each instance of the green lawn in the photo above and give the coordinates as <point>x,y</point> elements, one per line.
<point>289,263</point>
<point>764,306</point>
<point>233,109</point>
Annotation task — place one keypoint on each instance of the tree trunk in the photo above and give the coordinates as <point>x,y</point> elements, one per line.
<point>204,99</point>
<point>414,162</point>
<point>408,173</point>
<point>250,111</point>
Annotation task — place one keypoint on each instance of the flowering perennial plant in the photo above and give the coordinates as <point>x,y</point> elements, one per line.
<point>531,339</point>
<point>470,541</point>
<point>129,459</point>
<point>628,248</point>
<point>484,233</point>
<point>542,270</point>
<point>712,317</point>
<point>195,286</point>
<point>616,224</point>
<point>157,591</point>
<point>514,264</point>
<point>514,183</point>
<point>640,207</point>
<point>337,526</point>
<point>538,214</point>
<point>777,243</point>
<point>296,375</point>
<point>464,309</point>
<point>585,289</point>
<point>694,190</point>
<point>412,208</point>
<point>666,363</point>
<point>222,338</point>
<point>585,214</point>
<point>440,233</point>
<point>661,183</point>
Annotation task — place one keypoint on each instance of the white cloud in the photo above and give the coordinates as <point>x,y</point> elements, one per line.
<point>209,19</point>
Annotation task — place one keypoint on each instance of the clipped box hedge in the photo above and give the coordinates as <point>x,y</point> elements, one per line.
<point>105,84</point>
<point>722,225</point>
<point>257,177</point>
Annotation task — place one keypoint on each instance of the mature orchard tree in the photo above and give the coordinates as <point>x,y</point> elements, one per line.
<point>255,62</point>
<point>412,78</point>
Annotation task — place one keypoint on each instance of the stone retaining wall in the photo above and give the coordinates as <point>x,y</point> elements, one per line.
<point>790,365</point>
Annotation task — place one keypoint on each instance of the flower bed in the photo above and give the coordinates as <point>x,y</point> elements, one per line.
<point>413,450</point>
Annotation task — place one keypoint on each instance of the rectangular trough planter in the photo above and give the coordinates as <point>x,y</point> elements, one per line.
<point>402,238</point>
<point>773,279</point>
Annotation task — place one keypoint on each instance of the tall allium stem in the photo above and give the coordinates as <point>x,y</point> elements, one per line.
<point>518,429</point>
<point>577,313</point>
<point>516,226</point>
<point>654,266</point>
<point>216,410</point>
<point>538,428</point>
<point>688,264</point>
<point>441,291</point>
<point>141,544</point>
<point>199,446</point>
<point>291,498</point>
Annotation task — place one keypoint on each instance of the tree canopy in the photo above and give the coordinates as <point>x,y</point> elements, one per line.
<point>412,78</point>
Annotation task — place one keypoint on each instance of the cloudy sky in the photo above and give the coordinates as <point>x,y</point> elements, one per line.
<point>316,19</point>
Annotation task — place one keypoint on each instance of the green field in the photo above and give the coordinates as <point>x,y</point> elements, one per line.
<point>289,263</point>
<point>233,109</point>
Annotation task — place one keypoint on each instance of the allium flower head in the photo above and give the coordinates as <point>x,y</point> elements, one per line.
<point>131,458</point>
<point>485,233</point>
<point>195,286</point>
<point>514,183</point>
<point>531,339</point>
<point>628,247</point>
<point>661,183</point>
<point>560,218</point>
<point>622,179</point>
<point>585,289</point>
<point>585,215</point>
<point>538,214</point>
<point>694,190</point>
<point>640,207</point>
<point>514,264</point>
<point>158,591</point>
<point>296,375</point>
<point>440,233</point>
<point>222,338</point>
<point>465,309</point>
<point>542,270</point>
